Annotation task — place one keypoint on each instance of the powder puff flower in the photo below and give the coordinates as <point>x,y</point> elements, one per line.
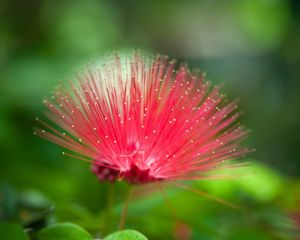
<point>140,119</point>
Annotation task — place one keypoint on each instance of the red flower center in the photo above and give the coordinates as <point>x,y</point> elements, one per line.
<point>134,175</point>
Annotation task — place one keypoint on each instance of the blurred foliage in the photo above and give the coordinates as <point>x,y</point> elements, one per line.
<point>250,45</point>
<point>12,232</point>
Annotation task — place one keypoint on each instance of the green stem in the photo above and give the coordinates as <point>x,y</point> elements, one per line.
<point>125,208</point>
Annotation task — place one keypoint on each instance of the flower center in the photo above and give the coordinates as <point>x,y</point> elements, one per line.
<point>134,175</point>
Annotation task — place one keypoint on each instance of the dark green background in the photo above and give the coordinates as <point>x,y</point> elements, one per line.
<point>252,46</point>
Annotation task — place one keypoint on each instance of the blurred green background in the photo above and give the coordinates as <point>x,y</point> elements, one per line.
<point>252,46</point>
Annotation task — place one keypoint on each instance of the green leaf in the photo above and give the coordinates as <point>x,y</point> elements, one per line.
<point>126,235</point>
<point>265,184</point>
<point>12,232</point>
<point>64,231</point>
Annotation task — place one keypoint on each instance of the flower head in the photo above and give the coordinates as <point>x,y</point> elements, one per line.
<point>140,119</point>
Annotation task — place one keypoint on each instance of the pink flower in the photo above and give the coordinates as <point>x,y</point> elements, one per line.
<point>139,119</point>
